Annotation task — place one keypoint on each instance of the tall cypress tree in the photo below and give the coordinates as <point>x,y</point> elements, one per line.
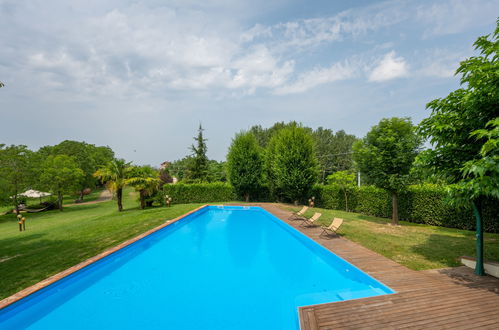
<point>199,166</point>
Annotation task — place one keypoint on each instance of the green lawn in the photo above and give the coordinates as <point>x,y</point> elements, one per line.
<point>415,246</point>
<point>67,199</point>
<point>57,240</point>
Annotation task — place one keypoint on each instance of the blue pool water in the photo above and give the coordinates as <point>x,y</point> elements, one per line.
<point>219,268</point>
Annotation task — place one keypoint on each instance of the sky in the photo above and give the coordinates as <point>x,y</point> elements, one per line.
<point>140,76</point>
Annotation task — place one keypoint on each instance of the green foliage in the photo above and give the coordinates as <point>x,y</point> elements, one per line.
<point>462,127</point>
<point>481,176</point>
<point>180,169</point>
<point>263,135</point>
<point>87,156</point>
<point>245,165</point>
<point>291,164</point>
<point>115,174</point>
<point>198,193</point>
<point>385,156</point>
<point>145,180</point>
<point>344,180</point>
<point>334,151</point>
<point>425,204</point>
<point>198,168</point>
<point>60,174</point>
<point>15,171</point>
<point>216,171</point>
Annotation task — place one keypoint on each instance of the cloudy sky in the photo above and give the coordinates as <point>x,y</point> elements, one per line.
<point>140,76</point>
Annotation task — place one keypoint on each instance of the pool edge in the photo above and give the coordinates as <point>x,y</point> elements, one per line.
<point>59,276</point>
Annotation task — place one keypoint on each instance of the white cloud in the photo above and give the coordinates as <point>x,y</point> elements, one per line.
<point>455,16</point>
<point>389,67</point>
<point>317,76</point>
<point>440,63</point>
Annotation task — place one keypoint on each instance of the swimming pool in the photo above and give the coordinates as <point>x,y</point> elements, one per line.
<point>219,268</point>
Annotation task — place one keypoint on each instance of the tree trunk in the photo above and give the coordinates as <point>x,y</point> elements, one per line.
<point>246,197</point>
<point>59,200</point>
<point>119,197</point>
<point>142,199</point>
<point>395,209</point>
<point>16,204</point>
<point>479,238</point>
<point>81,195</point>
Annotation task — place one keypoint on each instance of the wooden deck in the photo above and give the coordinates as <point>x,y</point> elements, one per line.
<point>445,299</point>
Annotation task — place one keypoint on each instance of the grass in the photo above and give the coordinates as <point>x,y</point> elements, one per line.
<point>34,203</point>
<point>55,240</point>
<point>415,246</point>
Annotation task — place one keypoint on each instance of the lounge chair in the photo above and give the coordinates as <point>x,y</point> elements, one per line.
<point>299,215</point>
<point>311,222</point>
<point>333,227</point>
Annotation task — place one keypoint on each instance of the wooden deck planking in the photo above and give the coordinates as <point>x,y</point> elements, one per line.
<point>444,299</point>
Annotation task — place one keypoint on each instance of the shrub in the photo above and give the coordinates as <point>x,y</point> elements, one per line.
<point>424,204</point>
<point>198,193</point>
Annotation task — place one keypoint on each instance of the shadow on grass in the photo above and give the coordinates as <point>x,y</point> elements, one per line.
<point>447,250</point>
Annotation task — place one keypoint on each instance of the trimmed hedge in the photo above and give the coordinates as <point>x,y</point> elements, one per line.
<point>424,204</point>
<point>198,193</point>
<point>419,204</point>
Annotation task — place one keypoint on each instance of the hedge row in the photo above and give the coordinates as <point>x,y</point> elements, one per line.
<point>198,192</point>
<point>420,204</point>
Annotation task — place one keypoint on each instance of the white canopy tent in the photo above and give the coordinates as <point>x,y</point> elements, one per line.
<point>34,194</point>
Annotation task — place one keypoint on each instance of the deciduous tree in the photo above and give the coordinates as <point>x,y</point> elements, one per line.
<point>386,155</point>
<point>291,163</point>
<point>463,131</point>
<point>245,165</point>
<point>15,171</point>
<point>60,174</point>
<point>345,181</point>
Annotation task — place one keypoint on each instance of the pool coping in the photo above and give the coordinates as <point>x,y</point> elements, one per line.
<point>56,277</point>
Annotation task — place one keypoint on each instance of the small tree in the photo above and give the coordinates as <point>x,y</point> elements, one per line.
<point>145,180</point>
<point>291,163</point>
<point>60,174</point>
<point>386,155</point>
<point>15,171</point>
<point>463,129</point>
<point>115,174</point>
<point>345,181</point>
<point>245,165</point>
<point>198,170</point>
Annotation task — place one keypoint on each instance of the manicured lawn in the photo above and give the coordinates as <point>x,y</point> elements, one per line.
<point>57,240</point>
<point>67,199</point>
<point>416,246</point>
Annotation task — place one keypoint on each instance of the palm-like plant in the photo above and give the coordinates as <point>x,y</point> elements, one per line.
<point>115,174</point>
<point>145,180</point>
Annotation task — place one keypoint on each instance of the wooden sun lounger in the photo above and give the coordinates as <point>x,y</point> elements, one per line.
<point>333,227</point>
<point>311,221</point>
<point>299,215</point>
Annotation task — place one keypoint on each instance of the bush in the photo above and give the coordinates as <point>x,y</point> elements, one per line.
<point>198,193</point>
<point>424,204</point>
